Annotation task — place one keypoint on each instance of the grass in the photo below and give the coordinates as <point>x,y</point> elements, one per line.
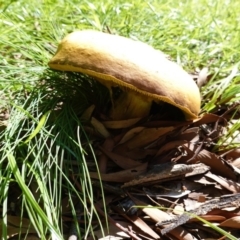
<point>44,138</point>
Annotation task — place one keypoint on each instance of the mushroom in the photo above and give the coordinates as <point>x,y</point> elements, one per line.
<point>143,73</point>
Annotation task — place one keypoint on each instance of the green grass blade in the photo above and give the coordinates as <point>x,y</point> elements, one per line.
<point>30,198</point>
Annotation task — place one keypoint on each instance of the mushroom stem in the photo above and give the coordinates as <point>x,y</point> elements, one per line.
<point>129,105</point>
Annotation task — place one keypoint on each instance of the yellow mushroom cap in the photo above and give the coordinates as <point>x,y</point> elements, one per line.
<point>116,60</point>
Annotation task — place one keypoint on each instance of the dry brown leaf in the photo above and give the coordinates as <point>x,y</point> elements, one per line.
<point>169,146</point>
<point>147,136</point>
<point>224,213</point>
<point>208,118</point>
<point>112,230</point>
<point>103,158</point>
<point>109,237</point>
<point>87,113</point>
<point>190,148</point>
<point>216,163</point>
<point>230,185</point>
<point>155,214</point>
<point>31,237</point>
<point>210,218</point>
<point>92,133</point>
<point>18,221</point>
<point>236,163</point>
<point>235,169</point>
<point>130,134</point>
<point>16,225</point>
<point>181,234</point>
<point>100,128</point>
<point>190,135</point>
<point>232,154</point>
<point>121,176</point>
<point>138,222</point>
<point>138,154</point>
<point>102,163</point>
<point>233,222</point>
<point>121,123</point>
<point>196,196</point>
<point>12,231</point>
<point>123,162</point>
<point>159,124</point>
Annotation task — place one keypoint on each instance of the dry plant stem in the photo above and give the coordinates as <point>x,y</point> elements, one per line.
<point>196,152</point>
<point>163,199</point>
<point>172,205</point>
<point>222,238</point>
<point>129,232</point>
<point>168,201</point>
<point>157,204</point>
<point>230,109</point>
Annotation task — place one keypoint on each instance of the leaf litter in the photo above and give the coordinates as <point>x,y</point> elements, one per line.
<point>162,174</point>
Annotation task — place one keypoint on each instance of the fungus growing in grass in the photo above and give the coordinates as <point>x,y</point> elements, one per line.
<point>143,73</point>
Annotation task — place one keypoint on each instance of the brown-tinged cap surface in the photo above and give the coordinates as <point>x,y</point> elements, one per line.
<point>116,60</point>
